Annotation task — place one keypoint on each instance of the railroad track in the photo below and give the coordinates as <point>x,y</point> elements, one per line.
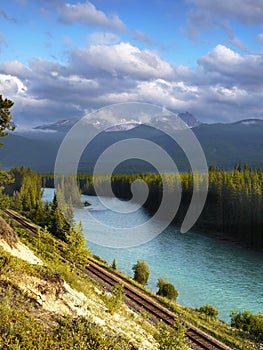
<point>197,338</point>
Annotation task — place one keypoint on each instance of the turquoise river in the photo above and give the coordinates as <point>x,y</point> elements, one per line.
<point>204,270</point>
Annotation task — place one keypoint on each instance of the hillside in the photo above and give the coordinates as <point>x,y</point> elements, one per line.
<point>224,145</point>
<point>58,307</point>
<point>45,299</point>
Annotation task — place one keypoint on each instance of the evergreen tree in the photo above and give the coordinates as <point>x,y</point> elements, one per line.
<point>5,117</point>
<point>114,264</point>
<point>5,126</point>
<point>233,207</point>
<point>57,224</point>
<point>76,250</point>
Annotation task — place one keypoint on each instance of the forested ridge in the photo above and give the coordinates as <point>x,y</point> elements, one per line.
<point>233,208</point>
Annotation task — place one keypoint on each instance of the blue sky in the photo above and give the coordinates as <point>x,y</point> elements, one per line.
<point>61,59</point>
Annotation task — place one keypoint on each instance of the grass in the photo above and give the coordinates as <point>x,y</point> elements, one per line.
<point>213,326</point>
<point>20,329</point>
<point>21,315</point>
<point>48,248</point>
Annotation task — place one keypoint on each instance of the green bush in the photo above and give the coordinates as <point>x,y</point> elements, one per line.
<point>166,289</point>
<point>115,300</point>
<point>82,334</point>
<point>209,310</point>
<point>19,330</point>
<point>171,338</point>
<point>249,322</point>
<point>141,272</point>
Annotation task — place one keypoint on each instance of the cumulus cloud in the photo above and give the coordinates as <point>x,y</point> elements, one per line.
<point>86,13</point>
<point>225,86</point>
<point>232,68</point>
<point>122,59</point>
<point>15,68</point>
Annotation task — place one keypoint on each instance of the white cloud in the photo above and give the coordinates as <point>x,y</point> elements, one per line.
<point>11,85</point>
<point>121,59</point>
<point>233,69</point>
<point>225,86</point>
<point>221,56</point>
<point>15,68</point>
<point>86,13</point>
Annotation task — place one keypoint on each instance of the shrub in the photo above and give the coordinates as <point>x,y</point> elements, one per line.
<point>166,289</point>
<point>209,310</point>
<point>171,338</point>
<point>115,300</point>
<point>141,272</point>
<point>246,321</point>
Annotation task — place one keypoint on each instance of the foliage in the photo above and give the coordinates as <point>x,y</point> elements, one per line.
<point>56,222</point>
<point>166,289</point>
<point>25,192</point>
<point>233,207</point>
<point>114,264</point>
<point>49,249</point>
<point>25,325</point>
<point>76,245</point>
<point>80,333</point>
<point>5,126</point>
<point>26,197</point>
<point>5,178</point>
<point>171,338</point>
<point>5,116</point>
<point>68,190</point>
<point>19,330</point>
<point>141,272</point>
<point>5,201</point>
<point>209,310</point>
<point>115,300</point>
<point>249,322</point>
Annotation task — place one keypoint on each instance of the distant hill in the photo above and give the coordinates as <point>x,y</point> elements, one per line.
<point>224,144</point>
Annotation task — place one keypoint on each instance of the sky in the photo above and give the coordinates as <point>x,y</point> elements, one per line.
<point>62,59</point>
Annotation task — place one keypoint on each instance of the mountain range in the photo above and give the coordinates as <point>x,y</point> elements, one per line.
<point>224,145</point>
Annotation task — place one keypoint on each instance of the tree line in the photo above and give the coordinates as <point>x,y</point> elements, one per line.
<point>233,208</point>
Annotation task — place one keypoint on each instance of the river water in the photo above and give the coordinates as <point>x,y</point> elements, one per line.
<point>203,270</point>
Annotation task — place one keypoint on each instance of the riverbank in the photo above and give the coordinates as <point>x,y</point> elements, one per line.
<point>43,244</point>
